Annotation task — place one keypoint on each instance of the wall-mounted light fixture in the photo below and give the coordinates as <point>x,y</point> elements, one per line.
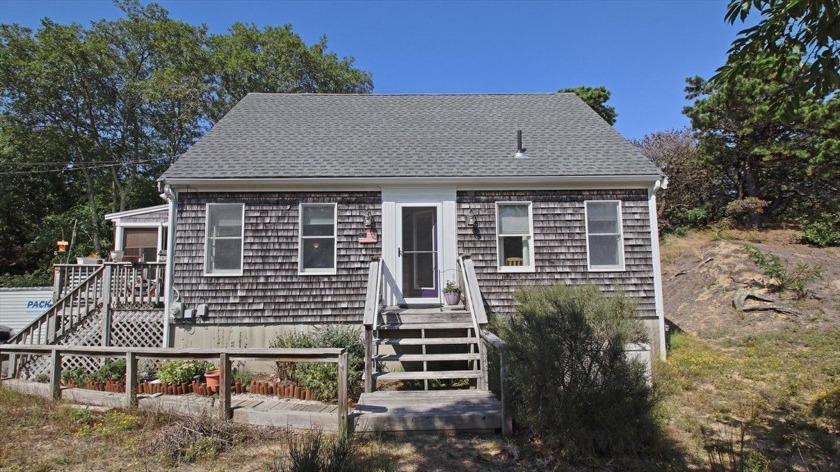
<point>368,220</point>
<point>471,221</point>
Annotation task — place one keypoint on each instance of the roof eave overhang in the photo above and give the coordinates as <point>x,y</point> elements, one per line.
<point>323,183</point>
<point>135,212</point>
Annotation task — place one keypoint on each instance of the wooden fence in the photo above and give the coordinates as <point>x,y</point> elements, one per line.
<point>225,359</point>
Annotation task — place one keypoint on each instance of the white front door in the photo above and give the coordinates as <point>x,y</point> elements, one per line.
<point>418,262</point>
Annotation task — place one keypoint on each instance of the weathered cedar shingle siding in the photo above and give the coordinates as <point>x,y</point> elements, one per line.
<point>270,289</point>
<point>154,217</point>
<point>559,244</point>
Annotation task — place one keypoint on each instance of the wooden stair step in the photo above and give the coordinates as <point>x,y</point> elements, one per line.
<point>436,326</point>
<point>428,375</point>
<point>427,357</point>
<point>425,341</point>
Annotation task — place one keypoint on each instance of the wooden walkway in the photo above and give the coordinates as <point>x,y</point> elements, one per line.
<point>247,408</point>
<point>428,410</point>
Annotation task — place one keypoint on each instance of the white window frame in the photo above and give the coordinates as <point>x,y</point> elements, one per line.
<point>223,273</point>
<point>523,268</point>
<point>301,269</point>
<point>620,234</point>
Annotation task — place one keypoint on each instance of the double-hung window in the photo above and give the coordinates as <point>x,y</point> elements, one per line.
<point>515,237</point>
<point>224,237</point>
<point>604,245</point>
<point>317,252</point>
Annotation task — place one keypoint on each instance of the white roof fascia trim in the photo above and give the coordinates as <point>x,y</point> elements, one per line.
<point>272,184</point>
<point>136,212</point>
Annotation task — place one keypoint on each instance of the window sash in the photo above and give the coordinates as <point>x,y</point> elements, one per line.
<point>318,240</point>
<point>514,227</point>
<point>604,236</point>
<point>224,239</point>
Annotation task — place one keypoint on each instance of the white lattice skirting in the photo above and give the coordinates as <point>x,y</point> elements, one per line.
<point>142,328</point>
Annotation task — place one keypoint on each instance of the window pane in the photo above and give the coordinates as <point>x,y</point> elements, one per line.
<point>225,221</point>
<point>225,254</point>
<point>603,250</point>
<point>318,220</point>
<point>513,219</point>
<point>602,217</point>
<point>515,251</point>
<point>318,253</point>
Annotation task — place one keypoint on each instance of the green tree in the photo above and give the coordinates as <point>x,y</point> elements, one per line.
<point>93,115</point>
<point>596,98</point>
<point>785,158</point>
<point>805,31</point>
<point>694,195</point>
<point>276,60</point>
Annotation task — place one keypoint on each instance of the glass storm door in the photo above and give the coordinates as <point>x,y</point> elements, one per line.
<point>417,254</point>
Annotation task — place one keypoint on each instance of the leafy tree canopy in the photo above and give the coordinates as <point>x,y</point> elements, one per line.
<point>795,39</point>
<point>596,98</point>
<point>90,116</point>
<point>787,158</point>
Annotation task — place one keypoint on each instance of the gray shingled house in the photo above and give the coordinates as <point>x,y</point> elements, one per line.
<point>308,209</point>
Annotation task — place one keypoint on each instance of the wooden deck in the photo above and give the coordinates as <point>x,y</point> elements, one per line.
<point>432,410</point>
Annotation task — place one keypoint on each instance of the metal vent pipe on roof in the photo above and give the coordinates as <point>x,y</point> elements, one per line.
<point>520,151</point>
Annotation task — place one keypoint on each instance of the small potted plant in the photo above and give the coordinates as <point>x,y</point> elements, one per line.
<point>452,293</point>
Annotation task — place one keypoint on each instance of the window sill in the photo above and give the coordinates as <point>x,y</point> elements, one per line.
<point>607,269</point>
<point>224,274</point>
<point>319,272</point>
<point>516,269</point>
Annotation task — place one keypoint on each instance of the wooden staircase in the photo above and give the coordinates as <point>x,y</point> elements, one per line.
<point>425,348</point>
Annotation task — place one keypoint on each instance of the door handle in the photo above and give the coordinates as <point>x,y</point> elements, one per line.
<point>399,252</point>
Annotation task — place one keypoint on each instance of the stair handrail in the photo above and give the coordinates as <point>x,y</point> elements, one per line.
<point>37,325</point>
<point>374,294</point>
<point>370,319</point>
<point>472,293</point>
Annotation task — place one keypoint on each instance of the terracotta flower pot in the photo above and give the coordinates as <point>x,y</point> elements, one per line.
<point>212,379</point>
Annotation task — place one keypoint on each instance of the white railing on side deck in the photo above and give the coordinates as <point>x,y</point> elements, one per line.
<point>136,284</point>
<point>68,311</point>
<point>373,303</point>
<point>472,294</point>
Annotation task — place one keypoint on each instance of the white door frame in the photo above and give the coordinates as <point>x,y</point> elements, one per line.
<point>398,267</point>
<point>441,197</point>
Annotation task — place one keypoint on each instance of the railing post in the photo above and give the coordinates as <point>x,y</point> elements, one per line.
<point>55,375</point>
<point>507,419</point>
<point>58,272</point>
<point>369,384</point>
<point>106,305</point>
<point>130,380</point>
<point>342,394</point>
<point>483,381</point>
<point>225,377</point>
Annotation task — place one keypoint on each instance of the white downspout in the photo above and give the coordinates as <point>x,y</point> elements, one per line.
<point>657,265</point>
<point>171,196</point>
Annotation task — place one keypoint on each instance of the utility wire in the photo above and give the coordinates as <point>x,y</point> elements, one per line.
<point>74,167</point>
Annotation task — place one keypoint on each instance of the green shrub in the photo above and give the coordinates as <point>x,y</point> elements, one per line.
<point>320,377</point>
<point>572,382</point>
<point>113,370</point>
<point>177,372</point>
<point>743,210</point>
<point>242,376</point>
<point>796,280</point>
<point>822,233</point>
<point>77,375</point>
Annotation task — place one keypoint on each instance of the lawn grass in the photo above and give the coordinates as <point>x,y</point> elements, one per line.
<point>756,402</point>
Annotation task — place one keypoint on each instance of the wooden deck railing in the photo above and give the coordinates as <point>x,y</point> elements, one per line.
<point>67,277</point>
<point>70,310</point>
<point>373,303</point>
<point>127,284</point>
<point>225,359</point>
<point>490,340</point>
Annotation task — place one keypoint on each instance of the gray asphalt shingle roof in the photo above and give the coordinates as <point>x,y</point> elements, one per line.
<point>326,135</point>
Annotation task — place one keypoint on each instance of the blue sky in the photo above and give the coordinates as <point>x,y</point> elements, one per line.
<point>642,51</point>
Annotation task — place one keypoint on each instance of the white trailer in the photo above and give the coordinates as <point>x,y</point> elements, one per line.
<point>19,306</point>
